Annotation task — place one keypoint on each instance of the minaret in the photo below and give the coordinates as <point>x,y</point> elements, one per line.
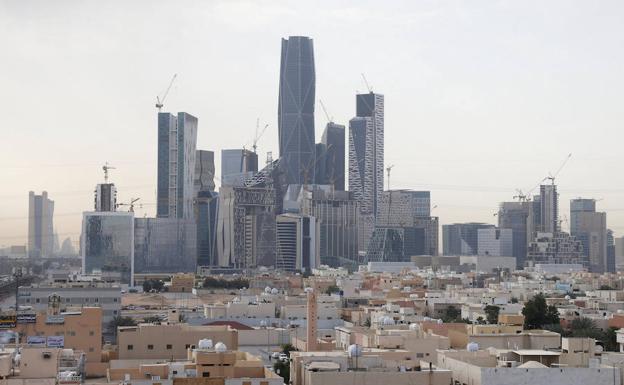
<point>312,321</point>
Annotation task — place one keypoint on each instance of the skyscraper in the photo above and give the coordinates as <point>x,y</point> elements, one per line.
<point>204,171</point>
<point>519,217</point>
<point>205,208</point>
<point>462,238</point>
<point>40,225</point>
<point>237,165</point>
<point>177,141</point>
<point>333,164</point>
<point>297,242</point>
<point>105,197</point>
<point>549,209</point>
<point>296,110</point>
<point>590,228</point>
<point>366,159</point>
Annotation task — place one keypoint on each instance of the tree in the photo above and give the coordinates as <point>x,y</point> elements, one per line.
<point>151,319</point>
<point>537,313</point>
<point>514,300</point>
<point>283,370</point>
<point>606,287</point>
<point>332,289</point>
<point>451,314</point>
<point>287,348</point>
<point>610,340</point>
<point>585,327</point>
<point>367,323</point>
<point>491,313</point>
<point>120,321</point>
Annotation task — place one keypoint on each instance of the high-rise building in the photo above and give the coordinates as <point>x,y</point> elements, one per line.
<point>518,217</point>
<point>366,160</point>
<point>40,225</point>
<point>611,267</point>
<point>297,242</point>
<point>204,171</point>
<point>107,244</point>
<point>557,248</point>
<point>462,238</point>
<point>165,245</point>
<point>337,214</point>
<point>105,197</point>
<point>296,110</point>
<point>237,165</point>
<point>495,242</point>
<point>549,209</point>
<point>332,164</point>
<point>177,141</point>
<point>590,228</point>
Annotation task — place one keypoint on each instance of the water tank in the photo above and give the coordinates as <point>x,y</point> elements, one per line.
<point>354,350</point>
<point>440,322</point>
<point>599,349</point>
<point>267,289</point>
<point>67,353</point>
<point>426,319</point>
<point>220,347</point>
<point>472,347</point>
<point>387,321</point>
<point>274,291</point>
<point>414,326</point>
<point>567,297</point>
<point>205,343</point>
<point>308,289</point>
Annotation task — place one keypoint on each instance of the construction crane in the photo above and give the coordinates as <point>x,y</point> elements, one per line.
<point>329,119</point>
<point>258,136</point>
<point>552,177</point>
<point>130,205</point>
<point>370,90</point>
<point>388,169</point>
<point>106,167</point>
<point>160,101</point>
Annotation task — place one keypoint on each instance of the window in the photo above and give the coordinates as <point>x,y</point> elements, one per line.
<point>38,300</point>
<point>114,299</point>
<point>205,374</point>
<point>91,333</point>
<point>150,347</point>
<point>130,347</point>
<point>97,300</point>
<point>187,346</point>
<point>169,347</point>
<point>91,349</point>
<point>419,355</point>
<point>27,300</point>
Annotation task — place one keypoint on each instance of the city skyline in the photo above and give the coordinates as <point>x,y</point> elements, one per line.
<point>467,184</point>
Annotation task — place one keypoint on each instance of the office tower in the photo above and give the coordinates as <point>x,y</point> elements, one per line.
<point>331,160</point>
<point>107,245</point>
<point>557,248</point>
<point>204,171</point>
<point>297,242</point>
<point>518,217</point>
<point>40,225</point>
<point>619,251</point>
<point>320,164</point>
<point>105,197</point>
<point>296,110</point>
<point>590,228</point>
<point>549,209</point>
<point>337,214</point>
<point>67,248</point>
<point>395,244</point>
<point>462,238</point>
<point>495,242</point>
<point>366,159</point>
<point>237,165</point>
<point>610,252</point>
<point>177,139</point>
<point>165,245</point>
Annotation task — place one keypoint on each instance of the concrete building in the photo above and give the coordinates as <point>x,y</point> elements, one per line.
<point>40,225</point>
<point>105,197</point>
<point>337,214</point>
<point>42,366</point>
<point>165,245</point>
<point>558,248</point>
<point>237,165</point>
<point>495,242</point>
<point>549,209</point>
<point>297,242</point>
<point>107,244</point>
<point>74,295</point>
<point>295,114</point>
<point>166,341</point>
<point>462,238</point>
<point>177,141</point>
<point>590,228</point>
<point>366,160</point>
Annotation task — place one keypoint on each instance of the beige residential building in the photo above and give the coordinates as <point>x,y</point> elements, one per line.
<point>169,341</point>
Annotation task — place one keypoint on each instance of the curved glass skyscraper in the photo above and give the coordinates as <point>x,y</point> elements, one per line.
<point>296,110</point>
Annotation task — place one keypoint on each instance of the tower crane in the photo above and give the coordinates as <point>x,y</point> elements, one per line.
<point>329,119</point>
<point>130,205</point>
<point>258,135</point>
<point>160,101</point>
<point>552,177</point>
<point>106,167</point>
<point>366,83</point>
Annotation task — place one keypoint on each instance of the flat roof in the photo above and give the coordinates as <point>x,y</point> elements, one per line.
<point>536,352</point>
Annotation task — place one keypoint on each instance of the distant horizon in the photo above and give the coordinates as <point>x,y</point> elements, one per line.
<point>481,99</point>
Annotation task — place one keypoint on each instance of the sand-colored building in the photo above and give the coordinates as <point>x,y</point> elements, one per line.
<point>169,341</point>
<point>182,283</point>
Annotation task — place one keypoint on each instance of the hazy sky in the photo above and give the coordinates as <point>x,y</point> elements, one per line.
<point>482,97</point>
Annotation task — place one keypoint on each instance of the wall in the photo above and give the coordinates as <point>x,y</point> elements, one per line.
<point>551,376</point>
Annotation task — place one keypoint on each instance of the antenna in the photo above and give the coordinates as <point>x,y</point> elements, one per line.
<point>329,120</point>
<point>366,83</point>
<point>106,167</point>
<point>160,101</point>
